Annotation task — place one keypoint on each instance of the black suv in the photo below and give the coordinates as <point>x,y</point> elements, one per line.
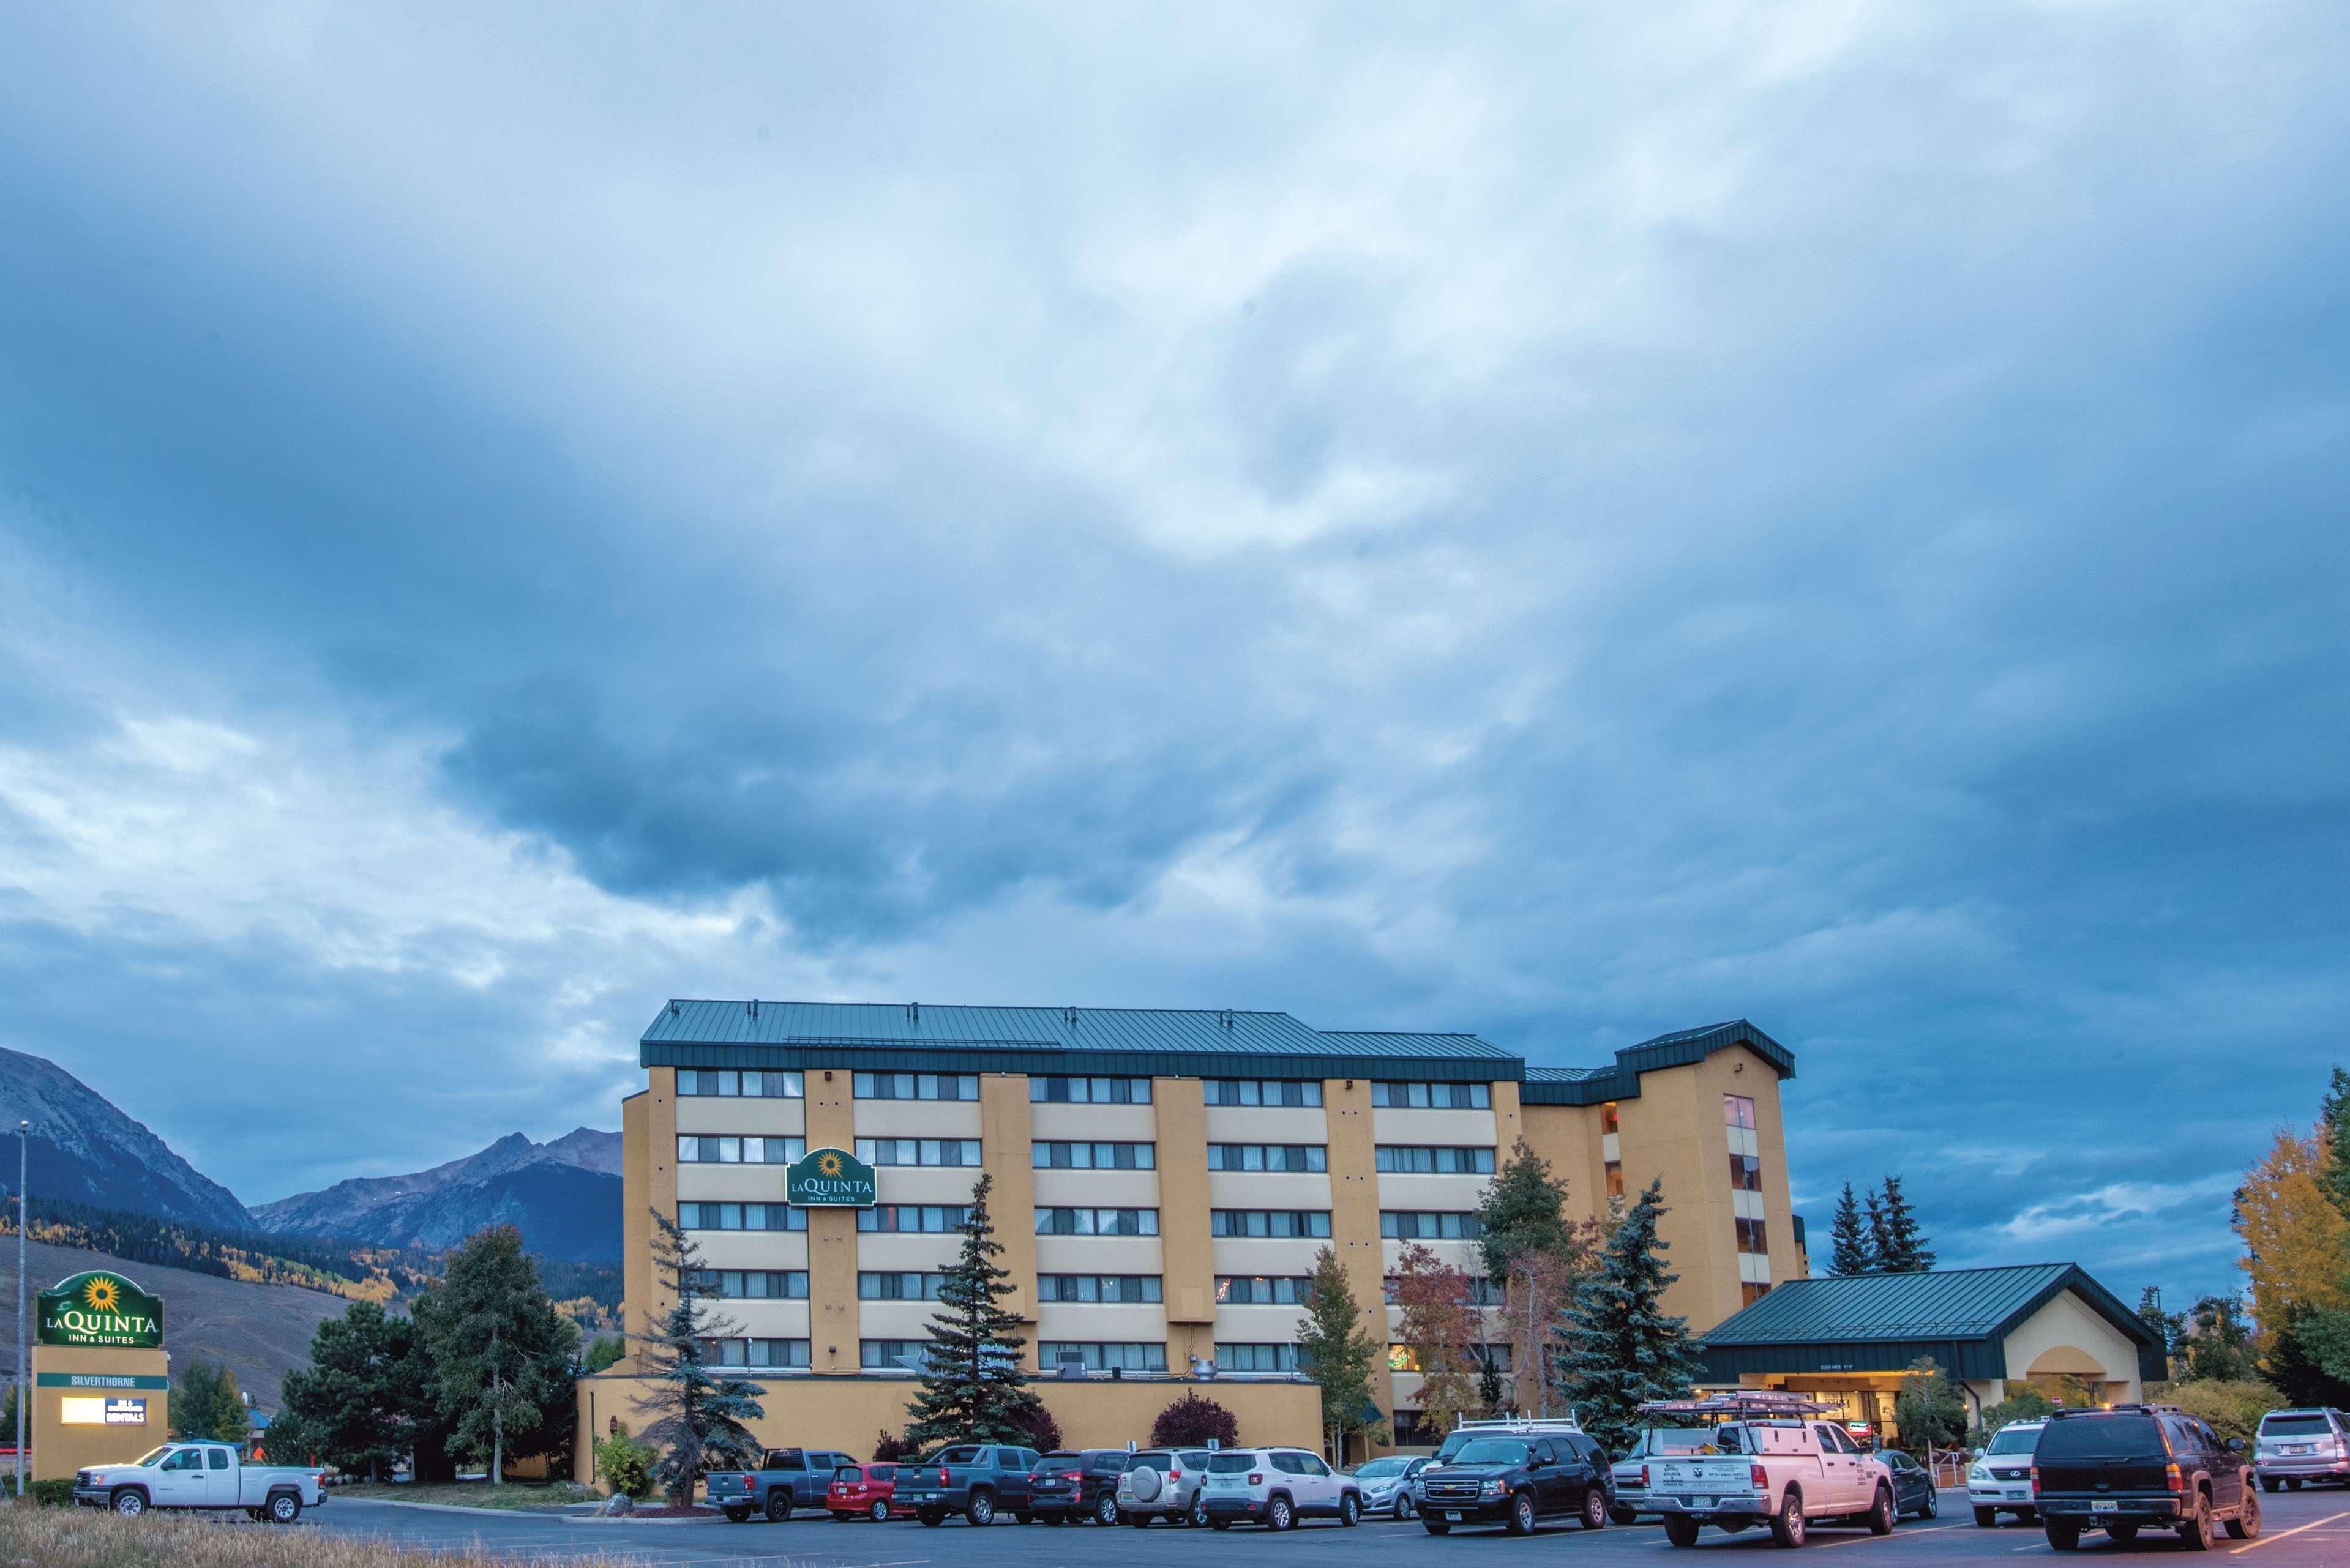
<point>2123,1470</point>
<point>1515,1480</point>
<point>1068,1486</point>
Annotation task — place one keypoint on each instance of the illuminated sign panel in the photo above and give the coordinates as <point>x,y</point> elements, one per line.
<point>100,1308</point>
<point>829,1179</point>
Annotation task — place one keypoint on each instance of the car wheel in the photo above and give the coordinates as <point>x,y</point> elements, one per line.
<point>1198,1514</point>
<point>1279,1515</point>
<point>1436,1527</point>
<point>2063,1537</point>
<point>1403,1507</point>
<point>2195,1531</point>
<point>1106,1511</point>
<point>1595,1509</point>
<point>981,1509</point>
<point>2026,1515</point>
<point>2293,1483</point>
<point>1350,1510</point>
<point>130,1504</point>
<point>1219,1524</point>
<point>737,1515</point>
<point>1988,1518</point>
<point>779,1507</point>
<point>932,1517</point>
<point>2124,1533</point>
<point>1522,1514</point>
<point>1932,1507</point>
<point>1139,1521</point>
<point>1019,1517</point>
<point>878,1510</point>
<point>1622,1516</point>
<point>1681,1529</point>
<point>1880,1512</point>
<point>285,1507</point>
<point>1055,1519</point>
<point>2246,1526</point>
<point>1788,1526</point>
<point>2270,1483</point>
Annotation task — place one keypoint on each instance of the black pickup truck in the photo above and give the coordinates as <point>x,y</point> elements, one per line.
<point>978,1480</point>
<point>2136,1467</point>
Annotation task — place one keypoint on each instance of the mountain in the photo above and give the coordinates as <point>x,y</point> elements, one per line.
<point>85,1151</point>
<point>564,1195</point>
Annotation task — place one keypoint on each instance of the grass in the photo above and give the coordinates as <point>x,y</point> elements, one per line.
<point>85,1537</point>
<point>475,1494</point>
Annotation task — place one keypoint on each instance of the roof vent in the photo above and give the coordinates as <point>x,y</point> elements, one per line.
<point>913,1012</point>
<point>754,1007</point>
<point>1225,1018</point>
<point>674,1008</point>
<point>1070,1016</point>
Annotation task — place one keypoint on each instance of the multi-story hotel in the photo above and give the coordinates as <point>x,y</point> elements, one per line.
<point>1163,1180</point>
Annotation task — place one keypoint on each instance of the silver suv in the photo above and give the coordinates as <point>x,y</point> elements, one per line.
<point>2295,1446</point>
<point>1163,1483</point>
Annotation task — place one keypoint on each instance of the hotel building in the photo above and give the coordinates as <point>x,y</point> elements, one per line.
<point>1163,1179</point>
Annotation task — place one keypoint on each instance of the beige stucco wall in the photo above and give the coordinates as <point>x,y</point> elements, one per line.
<point>59,1449</point>
<point>2055,1338</point>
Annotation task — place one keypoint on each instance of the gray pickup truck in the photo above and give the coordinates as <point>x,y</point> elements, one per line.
<point>978,1480</point>
<point>204,1474</point>
<point>786,1479</point>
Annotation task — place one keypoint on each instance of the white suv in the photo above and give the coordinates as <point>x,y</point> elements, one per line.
<point>2000,1480</point>
<point>1276,1488</point>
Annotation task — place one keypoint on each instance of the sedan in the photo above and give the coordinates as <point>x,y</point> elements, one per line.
<point>1913,1485</point>
<point>1387,1484</point>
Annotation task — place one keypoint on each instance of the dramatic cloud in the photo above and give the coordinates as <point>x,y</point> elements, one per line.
<point>1560,525</point>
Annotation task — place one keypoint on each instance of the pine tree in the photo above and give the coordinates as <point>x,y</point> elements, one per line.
<point>1524,1211</point>
<point>1880,1238</point>
<point>2333,1130</point>
<point>1534,1252</point>
<point>1851,1249</point>
<point>1335,1352</point>
<point>501,1355</point>
<point>353,1406</point>
<point>1900,1249</point>
<point>1617,1346</point>
<point>206,1403</point>
<point>973,1388</point>
<point>695,1413</point>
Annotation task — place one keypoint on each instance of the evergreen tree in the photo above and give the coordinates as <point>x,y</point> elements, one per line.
<point>1929,1410</point>
<point>1617,1346</point>
<point>2334,1129</point>
<point>695,1414</point>
<point>1851,1249</point>
<point>973,1388</point>
<point>1334,1351</point>
<point>2169,1327</point>
<point>355,1406</point>
<point>1880,1237</point>
<point>1532,1252</point>
<point>1902,1248</point>
<point>206,1403</point>
<point>1524,1211</point>
<point>501,1355</point>
<point>2306,1358</point>
<point>2219,1345</point>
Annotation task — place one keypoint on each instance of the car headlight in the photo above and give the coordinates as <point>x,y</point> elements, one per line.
<point>1979,1473</point>
<point>1493,1488</point>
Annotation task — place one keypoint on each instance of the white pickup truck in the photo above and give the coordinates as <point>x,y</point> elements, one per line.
<point>1771,1465</point>
<point>199,1475</point>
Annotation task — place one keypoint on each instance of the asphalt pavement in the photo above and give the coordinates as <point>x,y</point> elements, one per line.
<point>2301,1529</point>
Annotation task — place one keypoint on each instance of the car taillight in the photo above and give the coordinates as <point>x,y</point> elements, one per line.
<point>1644,1475</point>
<point>942,1475</point>
<point>2172,1477</point>
<point>2035,1477</point>
<point>1256,1477</point>
<point>1070,1475</point>
<point>1758,1477</point>
<point>1174,1475</point>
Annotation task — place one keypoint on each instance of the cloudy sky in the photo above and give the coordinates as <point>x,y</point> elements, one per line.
<point>1571,524</point>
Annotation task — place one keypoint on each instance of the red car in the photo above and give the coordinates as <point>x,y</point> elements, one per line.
<point>862,1488</point>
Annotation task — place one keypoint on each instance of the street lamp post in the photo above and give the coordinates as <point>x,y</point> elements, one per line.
<point>24,1164</point>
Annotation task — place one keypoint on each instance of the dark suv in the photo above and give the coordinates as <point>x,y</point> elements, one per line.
<point>1065,1486</point>
<point>1513,1482</point>
<point>2133,1466</point>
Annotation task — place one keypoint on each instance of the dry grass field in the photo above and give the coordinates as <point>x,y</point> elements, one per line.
<point>85,1537</point>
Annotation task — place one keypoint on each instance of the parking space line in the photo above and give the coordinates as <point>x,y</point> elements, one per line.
<point>1896,1535</point>
<point>2281,1534</point>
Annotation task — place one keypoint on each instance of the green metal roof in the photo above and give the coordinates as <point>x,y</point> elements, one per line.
<point>1883,1322</point>
<point>1596,1086</point>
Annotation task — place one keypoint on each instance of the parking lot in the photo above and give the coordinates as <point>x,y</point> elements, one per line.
<point>2302,1528</point>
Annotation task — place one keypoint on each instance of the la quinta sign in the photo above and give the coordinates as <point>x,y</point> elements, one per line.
<point>100,1308</point>
<point>829,1179</point>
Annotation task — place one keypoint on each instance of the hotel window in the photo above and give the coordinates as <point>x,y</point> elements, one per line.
<point>1614,1171</point>
<point>1750,1238</point>
<point>1268,1222</point>
<point>1058,1156</point>
<point>1607,1120</point>
<point>741,1217</point>
<point>789,1354</point>
<point>1230,1358</point>
<point>1498,1355</point>
<point>1738,1111</point>
<point>1419,1159</point>
<point>1115,1288</point>
<point>1426,1225</point>
<point>1402,1359</point>
<point>1097,1222</point>
<point>1433,1097</point>
<point>1263,1290</point>
<point>730,1083</point>
<point>917,1086</point>
<point>1406,1358</point>
<point>1753,1291</point>
<point>929,1219</point>
<point>918,1151</point>
<point>1745,1173</point>
<point>1262,1091</point>
<point>1089,1091</point>
<point>1304,1156</point>
<point>1101,1355</point>
<point>876,1286</point>
<point>754,1285</point>
<point>891,1355</point>
<point>705,1150</point>
<point>1481,1292</point>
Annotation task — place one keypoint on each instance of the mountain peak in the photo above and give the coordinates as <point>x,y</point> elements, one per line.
<point>564,1194</point>
<point>84,1150</point>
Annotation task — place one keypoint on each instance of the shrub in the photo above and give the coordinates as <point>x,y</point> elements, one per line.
<point>625,1464</point>
<point>2025,1403</point>
<point>892,1449</point>
<point>1192,1420</point>
<point>2232,1409</point>
<point>58,1493</point>
<point>1032,1418</point>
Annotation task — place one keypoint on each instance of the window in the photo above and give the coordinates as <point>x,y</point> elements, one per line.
<point>756,1284</point>
<point>216,1458</point>
<point>929,1219</point>
<point>1498,1355</point>
<point>730,1083</point>
<point>917,1086</point>
<point>741,1217</point>
<point>1255,1358</point>
<point>1614,1170</point>
<point>1262,1091</point>
<point>918,1151</point>
<point>1751,1236</point>
<point>1429,1225</point>
<point>1419,1159</point>
<point>1089,1091</point>
<point>1738,1111</point>
<point>1238,1222</point>
<point>704,1150</point>
<point>891,1355</point>
<point>1753,1291</point>
<point>1745,1173</point>
<point>786,1354</point>
<point>1094,1156</point>
<point>1304,1156</point>
<point>1433,1097</point>
<point>1402,1359</point>
<point>1099,1288</point>
<point>1263,1290</point>
<point>1097,1222</point>
<point>1101,1355</point>
<point>874,1286</point>
<point>1608,1123</point>
<point>1481,1292</point>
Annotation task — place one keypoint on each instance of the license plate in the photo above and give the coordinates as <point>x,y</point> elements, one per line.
<point>1453,1515</point>
<point>2301,1448</point>
<point>2101,1507</point>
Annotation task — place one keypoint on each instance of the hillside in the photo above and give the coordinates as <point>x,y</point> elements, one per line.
<point>564,1195</point>
<point>86,1151</point>
<point>259,1331</point>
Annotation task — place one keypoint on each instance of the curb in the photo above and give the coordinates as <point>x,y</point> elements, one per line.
<point>455,1507</point>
